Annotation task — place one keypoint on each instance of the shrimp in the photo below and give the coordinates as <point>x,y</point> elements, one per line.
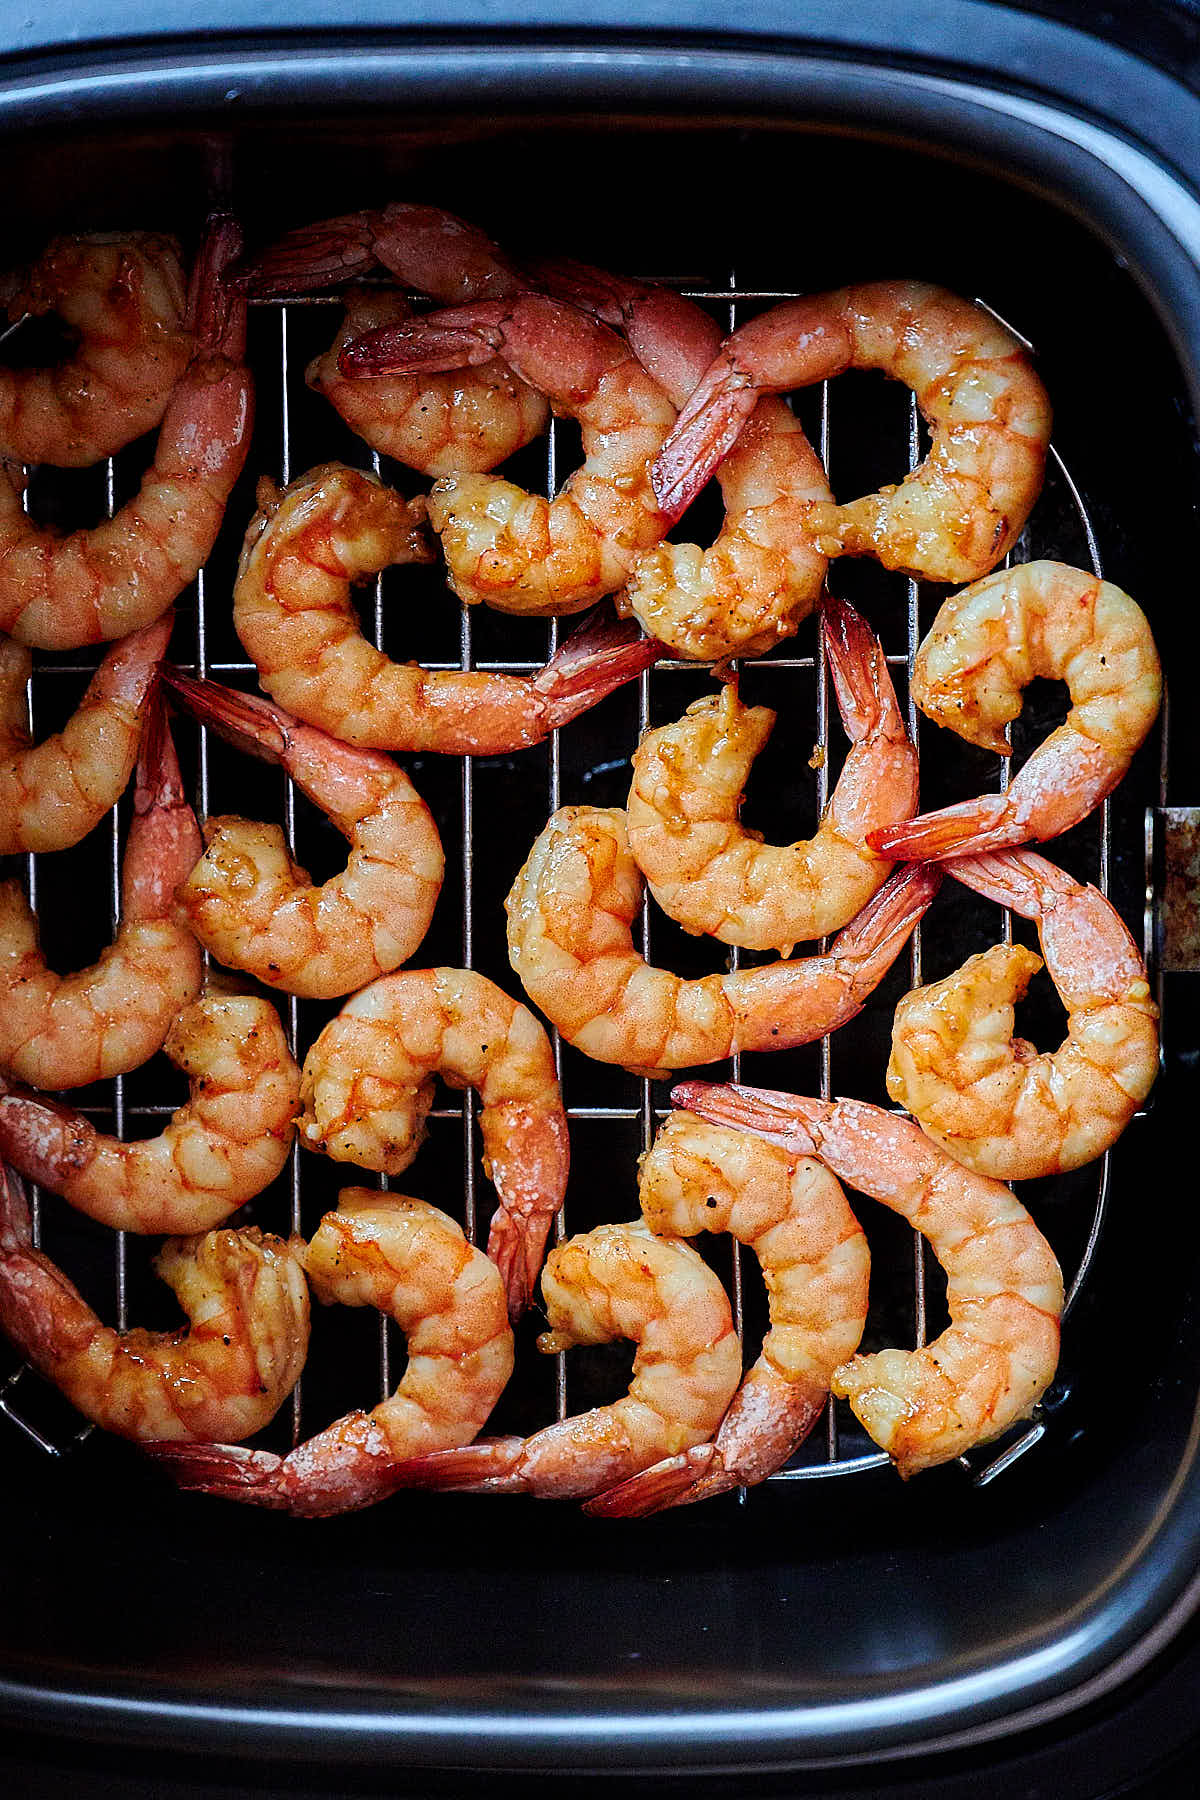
<point>411,1261</point>
<point>814,1257</point>
<point>293,612</point>
<point>65,1031</point>
<point>712,875</point>
<point>60,592</point>
<point>223,1146</point>
<point>570,914</point>
<point>53,793</point>
<point>990,1099</point>
<point>763,573</point>
<point>368,1085</point>
<point>255,909</point>
<point>516,551</point>
<point>619,1281</point>
<point>441,424</point>
<point>955,516</point>
<point>225,1376</point>
<point>986,644</point>
<point>1004,1288</point>
<point>123,300</point>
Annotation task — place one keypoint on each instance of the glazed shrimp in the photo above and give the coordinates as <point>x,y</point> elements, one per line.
<point>226,1375</point>
<point>1004,1288</point>
<point>223,1146</point>
<point>255,909</point>
<point>413,1262</point>
<point>990,1099</point>
<point>955,516</point>
<point>368,1085</point>
<point>619,1281</point>
<point>441,424</point>
<point>793,1214</point>
<point>64,1031</point>
<point>123,299</point>
<point>53,793</point>
<point>60,592</point>
<point>570,914</point>
<point>763,573</point>
<point>713,876</point>
<point>516,551</point>
<point>986,644</point>
<point>293,611</point>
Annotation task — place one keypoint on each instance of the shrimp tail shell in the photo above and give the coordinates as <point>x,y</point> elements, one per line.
<point>708,428</point>
<point>487,1466</point>
<point>781,1118</point>
<point>967,829</point>
<point>601,656</point>
<point>671,1482</point>
<point>420,344</point>
<point>228,1471</point>
<point>243,720</point>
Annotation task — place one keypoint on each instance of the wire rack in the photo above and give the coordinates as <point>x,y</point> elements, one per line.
<point>613,1115</point>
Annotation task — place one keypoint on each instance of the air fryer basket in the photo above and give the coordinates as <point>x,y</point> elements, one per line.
<point>834,1613</point>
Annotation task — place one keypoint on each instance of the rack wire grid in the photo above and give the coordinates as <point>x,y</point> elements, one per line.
<point>489,810</point>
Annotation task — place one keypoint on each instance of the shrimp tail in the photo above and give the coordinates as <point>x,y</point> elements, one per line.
<point>229,1471</point>
<point>164,840</point>
<point>489,1466</point>
<point>600,657</point>
<point>706,431</point>
<point>878,933</point>
<point>784,1119</point>
<point>215,311</point>
<point>516,1244</point>
<point>426,344</point>
<point>316,256</point>
<point>970,827</point>
<point>1015,878</point>
<point>672,1482</point>
<point>16,1217</point>
<point>243,720</point>
<point>865,695</point>
<point>40,1136</point>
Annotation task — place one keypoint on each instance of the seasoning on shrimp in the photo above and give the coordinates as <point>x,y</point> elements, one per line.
<point>570,917</point>
<point>713,876</point>
<point>1004,1288</point>
<point>292,609</point>
<point>955,516</point>
<point>225,1376</point>
<point>413,1262</point>
<point>368,1085</point>
<point>990,1099</point>
<point>986,644</point>
<point>792,1212</point>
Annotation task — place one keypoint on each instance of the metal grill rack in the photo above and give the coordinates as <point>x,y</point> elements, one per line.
<point>588,760</point>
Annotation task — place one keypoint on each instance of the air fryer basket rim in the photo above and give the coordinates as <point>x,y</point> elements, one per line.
<point>1153,220</point>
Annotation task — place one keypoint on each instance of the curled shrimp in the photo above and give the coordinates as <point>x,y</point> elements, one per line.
<point>123,300</point>
<point>619,1281</point>
<point>60,592</point>
<point>793,1214</point>
<point>225,1376</point>
<point>65,1031</point>
<point>763,572</point>
<point>53,793</point>
<point>990,1099</point>
<point>293,611</point>
<point>517,551</point>
<point>570,917</point>
<point>255,909</point>
<point>1003,1286</point>
<point>986,644</point>
<point>955,516</point>
<point>713,876</point>
<point>368,1085</point>
<point>467,419</point>
<point>413,1262</point>
<point>223,1146</point>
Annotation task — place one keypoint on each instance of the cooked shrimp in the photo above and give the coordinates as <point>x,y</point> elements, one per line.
<point>59,592</point>
<point>294,614</point>
<point>442,424</point>
<point>570,914</point>
<point>619,1281</point>
<point>219,1149</point>
<point>986,644</point>
<point>64,1031</point>
<point>368,1085</point>
<point>255,909</point>
<point>123,300</point>
<point>763,573</point>
<point>411,1261</point>
<point>517,551</point>
<point>225,1376</point>
<point>1004,1288</point>
<point>793,1214</point>
<point>53,793</point>
<point>712,875</point>
<point>989,1098</point>
<point>954,517</point>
